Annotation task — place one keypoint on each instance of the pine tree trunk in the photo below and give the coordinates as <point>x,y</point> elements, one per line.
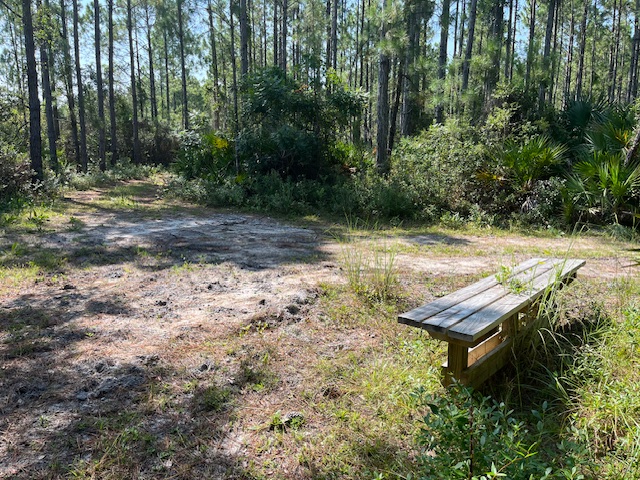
<point>48,99</point>
<point>16,50</point>
<point>112,96</point>
<point>152,76</point>
<point>134,100</point>
<point>81,110</point>
<point>442,57</point>
<point>234,68</point>
<point>183,68</point>
<point>395,106</point>
<point>382,137</point>
<point>334,34</point>
<point>632,90</point>
<point>568,73</point>
<point>546,56</point>
<point>35,140</point>
<point>531,45</point>
<point>69,83</point>
<point>469,51</point>
<point>244,39</point>
<point>507,60</point>
<point>102,140</point>
<point>593,51</point>
<point>275,33</point>
<point>583,47</point>
<point>408,89</point>
<point>214,69</point>
<point>495,48</point>
<point>166,74</point>
<point>284,33</point>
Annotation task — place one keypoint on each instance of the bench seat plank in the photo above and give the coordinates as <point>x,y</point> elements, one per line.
<point>479,323</point>
<point>416,316</point>
<point>447,319</point>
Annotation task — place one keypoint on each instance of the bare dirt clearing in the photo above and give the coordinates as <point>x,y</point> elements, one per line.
<point>179,342</point>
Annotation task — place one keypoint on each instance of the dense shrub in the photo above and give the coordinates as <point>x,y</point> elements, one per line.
<point>208,156</point>
<point>469,436</point>
<point>436,170</point>
<point>291,128</point>
<point>15,175</point>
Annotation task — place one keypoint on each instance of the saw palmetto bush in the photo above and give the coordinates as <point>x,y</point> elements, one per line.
<point>603,187</point>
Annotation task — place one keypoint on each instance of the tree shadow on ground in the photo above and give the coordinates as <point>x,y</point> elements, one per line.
<point>101,417</point>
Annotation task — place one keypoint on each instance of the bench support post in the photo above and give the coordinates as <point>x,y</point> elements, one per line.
<point>458,361</point>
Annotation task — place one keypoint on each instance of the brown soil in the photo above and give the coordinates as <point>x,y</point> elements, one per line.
<point>150,317</point>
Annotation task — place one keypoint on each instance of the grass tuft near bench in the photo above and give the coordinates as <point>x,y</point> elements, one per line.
<point>480,322</point>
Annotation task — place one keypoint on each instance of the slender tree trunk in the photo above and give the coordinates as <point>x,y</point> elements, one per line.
<point>134,100</point>
<point>112,96</point>
<point>617,45</point>
<point>507,60</point>
<point>166,74</point>
<point>413,35</point>
<point>442,57</point>
<point>183,68</point>
<point>593,49</point>
<point>546,56</point>
<point>531,45</point>
<point>214,69</point>
<point>334,34</point>
<point>632,90</point>
<point>275,34</point>
<point>284,32</point>
<point>612,50</point>
<point>463,20</point>
<point>81,110</point>
<point>514,36</point>
<point>234,68</point>
<point>361,45</point>
<point>568,73</point>
<point>152,76</point>
<point>69,83</point>
<point>35,140</point>
<point>382,138</point>
<point>48,99</point>
<point>469,51</point>
<point>244,39</point>
<point>583,47</point>
<point>102,140</point>
<point>455,30</point>
<point>141,93</point>
<point>396,105</point>
<point>495,48</point>
<point>17,57</point>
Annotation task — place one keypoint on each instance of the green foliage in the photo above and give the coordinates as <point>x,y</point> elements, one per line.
<point>469,436</point>
<point>15,176</point>
<point>436,170</point>
<point>207,156</point>
<point>289,127</point>
<point>530,161</point>
<point>603,187</point>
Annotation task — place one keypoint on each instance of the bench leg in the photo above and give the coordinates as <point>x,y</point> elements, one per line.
<point>458,361</point>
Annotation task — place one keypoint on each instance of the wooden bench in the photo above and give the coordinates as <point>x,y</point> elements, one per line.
<point>480,321</point>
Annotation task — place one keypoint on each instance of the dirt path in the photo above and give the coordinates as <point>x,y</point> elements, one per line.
<point>140,320</point>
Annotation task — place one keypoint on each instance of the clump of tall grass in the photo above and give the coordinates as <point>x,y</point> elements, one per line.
<point>371,270</point>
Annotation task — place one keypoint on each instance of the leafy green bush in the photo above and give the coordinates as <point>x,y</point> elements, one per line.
<point>15,175</point>
<point>207,156</point>
<point>437,168</point>
<point>290,128</point>
<point>469,436</point>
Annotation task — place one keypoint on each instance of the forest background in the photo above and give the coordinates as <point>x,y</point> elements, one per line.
<point>490,110</point>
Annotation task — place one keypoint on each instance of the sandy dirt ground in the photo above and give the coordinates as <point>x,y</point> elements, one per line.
<point>137,296</point>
